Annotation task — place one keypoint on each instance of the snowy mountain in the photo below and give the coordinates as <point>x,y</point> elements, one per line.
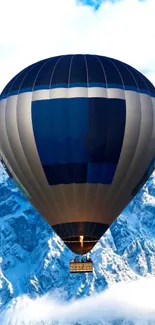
<point>34,260</point>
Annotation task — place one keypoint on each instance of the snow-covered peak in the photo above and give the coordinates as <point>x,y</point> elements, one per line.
<point>35,261</point>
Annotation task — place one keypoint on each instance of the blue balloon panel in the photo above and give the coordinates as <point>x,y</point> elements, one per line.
<point>70,70</point>
<point>79,140</point>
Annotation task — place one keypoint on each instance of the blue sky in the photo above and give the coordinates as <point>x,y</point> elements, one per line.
<point>35,29</point>
<point>96,4</point>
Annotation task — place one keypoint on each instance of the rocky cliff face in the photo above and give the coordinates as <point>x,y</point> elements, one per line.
<point>34,260</point>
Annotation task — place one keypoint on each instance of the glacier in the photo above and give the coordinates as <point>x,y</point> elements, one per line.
<point>35,262</point>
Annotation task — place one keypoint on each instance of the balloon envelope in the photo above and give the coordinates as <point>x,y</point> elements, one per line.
<point>77,134</point>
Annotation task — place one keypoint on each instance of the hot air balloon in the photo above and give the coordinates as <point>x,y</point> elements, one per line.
<point>77,134</point>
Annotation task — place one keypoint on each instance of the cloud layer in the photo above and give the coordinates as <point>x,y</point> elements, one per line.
<point>34,30</point>
<point>129,301</point>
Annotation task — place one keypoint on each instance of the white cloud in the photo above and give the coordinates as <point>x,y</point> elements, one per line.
<point>34,30</point>
<point>129,301</point>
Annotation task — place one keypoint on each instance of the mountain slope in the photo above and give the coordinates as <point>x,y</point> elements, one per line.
<point>34,260</point>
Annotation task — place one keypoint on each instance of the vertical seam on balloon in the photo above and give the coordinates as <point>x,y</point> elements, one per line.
<point>51,186</point>
<point>141,76</point>
<point>31,171</point>
<point>50,59</point>
<point>50,82</point>
<point>86,188</point>
<point>153,114</point>
<point>50,98</point>
<point>125,127</point>
<point>69,71</point>
<point>124,92</point>
<point>46,62</point>
<point>11,169</point>
<point>37,185</point>
<point>18,132</point>
<point>31,68</point>
<point>17,78</point>
<point>117,71</point>
<point>138,91</point>
<point>97,57</point>
<point>49,203</point>
<point>99,184</point>
<point>88,108</point>
<point>73,184</point>
<point>110,188</point>
<point>10,146</point>
<point>26,159</point>
<point>118,193</point>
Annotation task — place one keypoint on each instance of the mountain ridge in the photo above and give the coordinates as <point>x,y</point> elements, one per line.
<point>34,260</point>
